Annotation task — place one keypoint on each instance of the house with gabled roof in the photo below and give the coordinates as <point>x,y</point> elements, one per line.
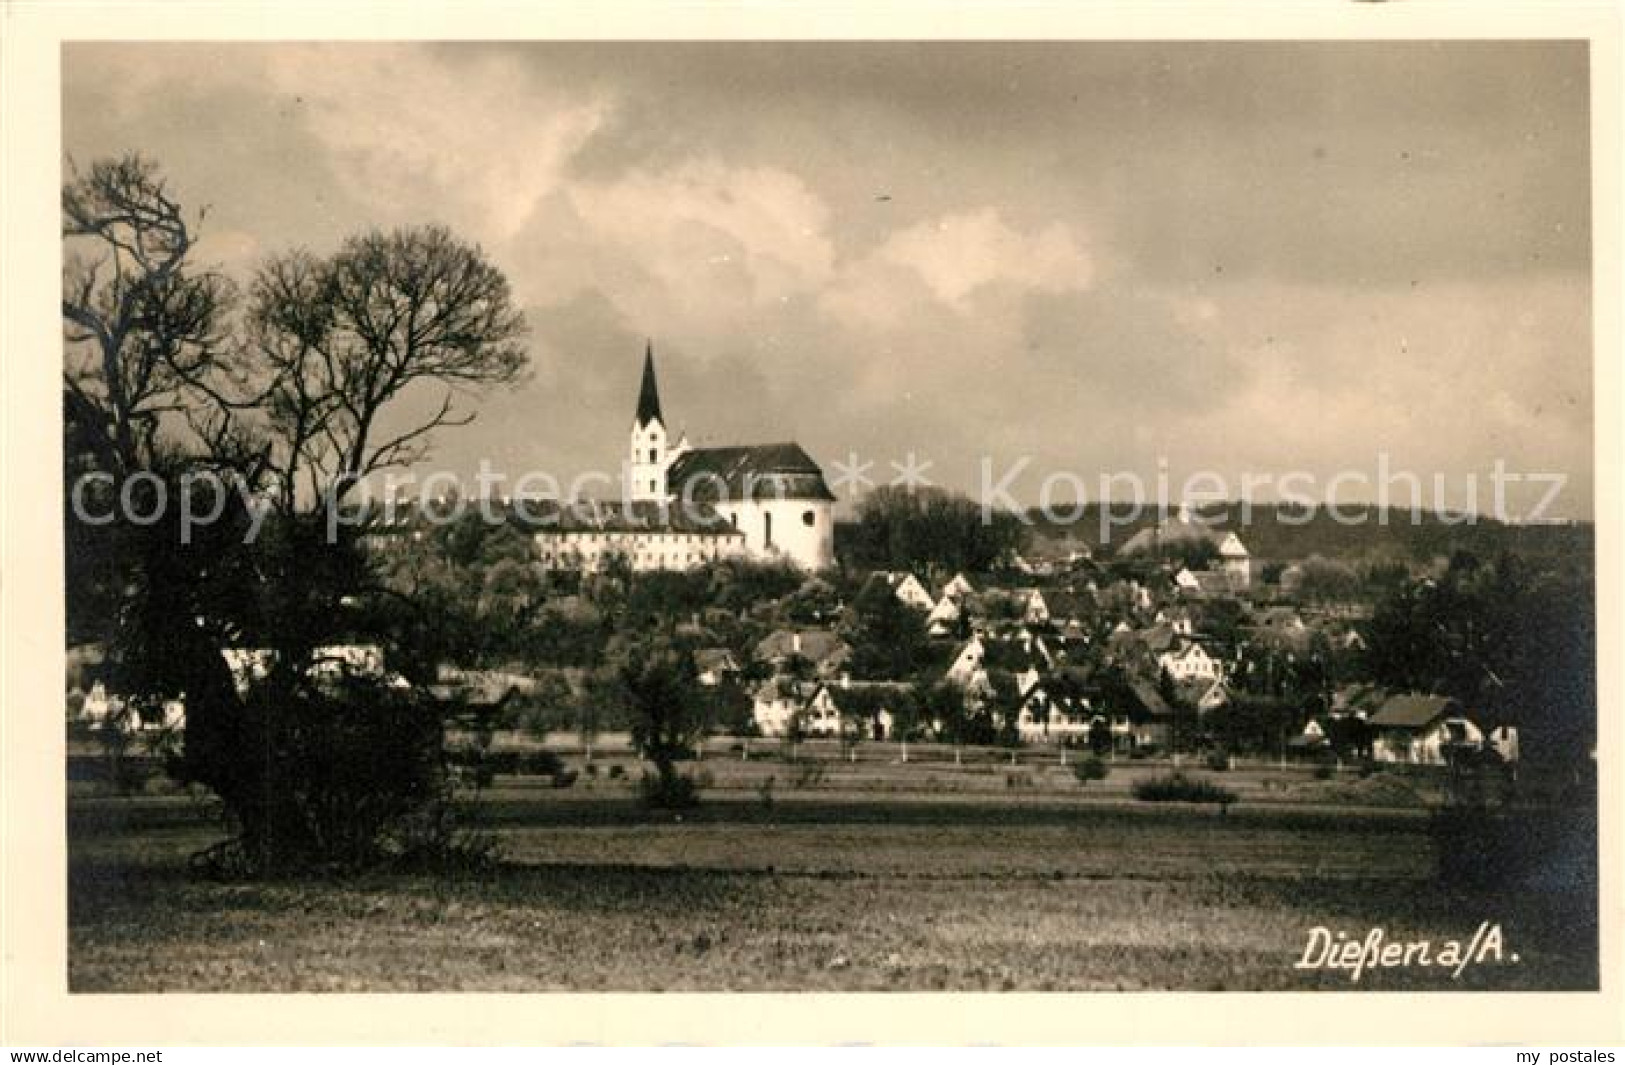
<point>1147,718</point>
<point>909,589</point>
<point>716,666</point>
<point>947,618</point>
<point>1421,729</point>
<point>1189,660</point>
<point>1051,713</point>
<point>1034,610</point>
<point>1236,561</point>
<point>967,663</point>
<point>780,703</point>
<point>828,654</point>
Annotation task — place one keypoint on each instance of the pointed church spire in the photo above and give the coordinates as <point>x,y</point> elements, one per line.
<point>649,395</point>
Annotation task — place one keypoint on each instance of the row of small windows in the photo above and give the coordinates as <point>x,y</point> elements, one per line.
<point>638,538</point>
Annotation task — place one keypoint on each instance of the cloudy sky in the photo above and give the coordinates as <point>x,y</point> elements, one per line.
<point>1243,258</point>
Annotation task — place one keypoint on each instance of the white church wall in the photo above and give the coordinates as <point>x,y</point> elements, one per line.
<point>801,530</point>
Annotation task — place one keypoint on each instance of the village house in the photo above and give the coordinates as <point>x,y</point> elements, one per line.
<point>250,665</point>
<point>1051,713</point>
<point>101,708</point>
<point>715,666</point>
<point>782,703</point>
<point>1422,730</point>
<point>1203,584</point>
<point>908,589</point>
<point>482,692</point>
<point>824,651</point>
<point>958,588</point>
<point>1235,562</point>
<point>1189,660</point>
<point>1145,720</point>
<point>967,663</point>
<point>1202,693</point>
<point>947,618</point>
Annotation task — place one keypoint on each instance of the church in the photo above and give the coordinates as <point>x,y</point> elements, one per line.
<point>684,506</point>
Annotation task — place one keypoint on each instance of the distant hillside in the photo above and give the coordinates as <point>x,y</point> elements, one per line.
<point>1274,532</point>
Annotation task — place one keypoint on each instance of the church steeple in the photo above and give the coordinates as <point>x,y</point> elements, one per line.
<point>646,472</point>
<point>649,393</point>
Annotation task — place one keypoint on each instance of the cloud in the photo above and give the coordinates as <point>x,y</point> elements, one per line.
<point>960,253</point>
<point>703,222</point>
<point>1239,255</point>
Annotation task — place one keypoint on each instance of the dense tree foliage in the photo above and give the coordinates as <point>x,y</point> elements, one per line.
<point>888,637</point>
<point>1516,647</point>
<point>930,532</point>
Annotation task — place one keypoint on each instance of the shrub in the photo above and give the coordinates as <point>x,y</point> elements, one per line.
<point>348,775</point>
<point>1177,787</point>
<point>668,791</point>
<point>1324,771</point>
<point>617,771</point>
<point>541,764</point>
<point>1218,761</point>
<point>1090,768</point>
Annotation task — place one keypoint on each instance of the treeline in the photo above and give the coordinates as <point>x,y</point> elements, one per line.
<point>1516,647</point>
<point>929,531</point>
<point>1276,531</point>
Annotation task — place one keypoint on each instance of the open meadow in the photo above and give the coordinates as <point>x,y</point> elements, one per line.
<point>838,876</point>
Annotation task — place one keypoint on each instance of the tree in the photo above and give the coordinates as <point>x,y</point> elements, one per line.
<point>144,343</point>
<point>1194,553</point>
<point>144,330</point>
<point>930,531</point>
<point>1182,732</point>
<point>659,679</point>
<point>548,707</point>
<point>889,637</point>
<point>478,591</point>
<point>603,698</point>
<point>1006,706</point>
<point>287,411</point>
<point>342,339</point>
<point>733,710</point>
<point>1515,647</point>
<point>1326,579</point>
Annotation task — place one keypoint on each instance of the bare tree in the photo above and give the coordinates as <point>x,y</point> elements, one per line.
<point>343,340</point>
<point>142,327</point>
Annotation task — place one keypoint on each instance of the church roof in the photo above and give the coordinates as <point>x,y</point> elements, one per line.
<point>649,393</point>
<point>762,471</point>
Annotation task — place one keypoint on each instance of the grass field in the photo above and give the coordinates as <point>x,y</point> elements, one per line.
<point>844,885</point>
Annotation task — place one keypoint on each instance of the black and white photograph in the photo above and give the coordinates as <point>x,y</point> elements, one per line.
<point>829,516</point>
